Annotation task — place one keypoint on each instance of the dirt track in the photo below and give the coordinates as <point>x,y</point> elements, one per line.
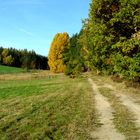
<point>107,130</point>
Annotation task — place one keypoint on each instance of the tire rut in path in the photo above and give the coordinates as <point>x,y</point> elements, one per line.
<point>128,101</point>
<point>107,131</point>
<point>132,106</point>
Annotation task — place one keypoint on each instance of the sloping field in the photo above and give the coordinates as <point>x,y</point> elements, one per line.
<point>6,70</point>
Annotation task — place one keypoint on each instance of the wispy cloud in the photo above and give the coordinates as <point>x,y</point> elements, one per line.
<point>25,31</point>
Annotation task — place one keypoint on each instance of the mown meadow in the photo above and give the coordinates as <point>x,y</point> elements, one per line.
<point>45,106</point>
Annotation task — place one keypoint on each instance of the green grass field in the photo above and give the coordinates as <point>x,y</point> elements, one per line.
<point>46,108</point>
<point>7,70</point>
<point>40,105</point>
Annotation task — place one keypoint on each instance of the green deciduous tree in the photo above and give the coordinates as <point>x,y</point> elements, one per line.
<point>7,57</point>
<point>8,60</point>
<point>108,37</point>
<point>126,60</point>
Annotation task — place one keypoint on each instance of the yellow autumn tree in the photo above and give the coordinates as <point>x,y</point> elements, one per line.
<point>59,43</point>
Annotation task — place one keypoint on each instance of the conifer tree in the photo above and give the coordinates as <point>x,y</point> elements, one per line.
<point>72,57</point>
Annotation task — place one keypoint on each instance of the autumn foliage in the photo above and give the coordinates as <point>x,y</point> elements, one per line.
<point>109,42</point>
<point>59,43</point>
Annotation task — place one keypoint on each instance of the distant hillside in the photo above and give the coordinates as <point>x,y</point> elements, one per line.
<point>22,59</point>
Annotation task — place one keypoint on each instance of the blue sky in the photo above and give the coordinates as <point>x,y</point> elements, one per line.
<point>32,24</point>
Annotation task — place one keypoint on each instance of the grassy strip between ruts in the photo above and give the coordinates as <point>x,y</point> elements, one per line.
<point>64,109</point>
<point>123,119</point>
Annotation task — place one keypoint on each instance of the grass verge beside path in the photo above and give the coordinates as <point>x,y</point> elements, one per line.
<point>43,108</point>
<point>123,119</point>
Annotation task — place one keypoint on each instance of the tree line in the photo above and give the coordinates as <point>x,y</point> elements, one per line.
<point>22,58</point>
<point>109,42</point>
